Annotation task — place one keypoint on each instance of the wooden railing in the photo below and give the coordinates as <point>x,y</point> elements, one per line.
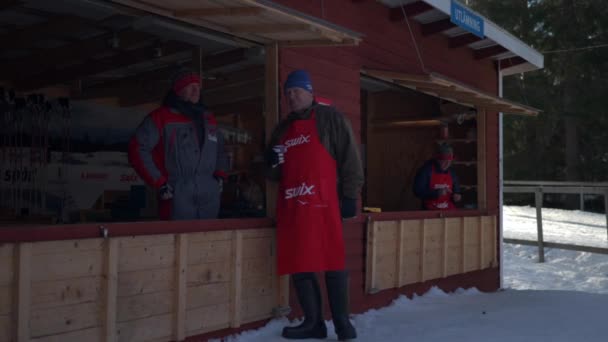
<point>539,188</point>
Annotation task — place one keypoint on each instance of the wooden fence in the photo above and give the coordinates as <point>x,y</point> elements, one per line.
<point>402,252</point>
<point>140,288</point>
<point>541,188</point>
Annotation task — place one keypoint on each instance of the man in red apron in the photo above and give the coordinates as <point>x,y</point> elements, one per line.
<point>314,155</point>
<point>436,183</point>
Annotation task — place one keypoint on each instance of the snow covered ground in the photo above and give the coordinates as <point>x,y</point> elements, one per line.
<point>563,300</point>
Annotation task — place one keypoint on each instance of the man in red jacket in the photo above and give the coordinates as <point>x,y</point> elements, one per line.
<point>314,156</point>
<point>436,183</point>
<point>179,151</point>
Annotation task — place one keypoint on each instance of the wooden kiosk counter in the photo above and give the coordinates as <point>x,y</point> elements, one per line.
<point>404,74</point>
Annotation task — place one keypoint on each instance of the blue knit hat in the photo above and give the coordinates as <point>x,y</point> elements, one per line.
<point>298,79</point>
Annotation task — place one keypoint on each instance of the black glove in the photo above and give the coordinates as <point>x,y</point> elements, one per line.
<point>349,208</point>
<point>277,155</point>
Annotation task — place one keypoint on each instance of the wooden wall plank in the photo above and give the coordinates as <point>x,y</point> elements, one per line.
<point>89,335</point>
<point>412,253</point>
<point>433,242</point>
<point>236,285</point>
<point>370,271</point>
<point>423,257</point>
<point>145,305</point>
<point>180,293</point>
<point>65,319</point>
<point>146,257</point>
<point>256,308</point>
<point>444,249</point>
<point>7,263</point>
<point>146,240</point>
<point>110,289</point>
<point>145,281</point>
<point>155,327</point>
<point>386,254</point>
<point>219,235</point>
<point>257,267</point>
<point>399,255</point>
<point>6,328</point>
<point>210,251</point>
<point>212,272</point>
<point>471,244</point>
<point>208,295</point>
<point>207,318</point>
<point>454,246</point>
<point>67,246</point>
<point>48,294</point>
<point>58,266</point>
<point>23,268</point>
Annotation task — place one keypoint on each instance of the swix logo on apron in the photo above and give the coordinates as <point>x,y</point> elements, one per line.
<point>302,139</point>
<point>309,227</point>
<point>440,181</point>
<point>301,190</point>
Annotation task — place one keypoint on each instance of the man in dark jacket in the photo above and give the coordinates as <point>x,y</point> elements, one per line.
<point>179,151</point>
<point>436,183</point>
<point>314,156</point>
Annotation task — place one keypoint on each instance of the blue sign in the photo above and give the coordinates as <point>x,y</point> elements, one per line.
<point>465,18</point>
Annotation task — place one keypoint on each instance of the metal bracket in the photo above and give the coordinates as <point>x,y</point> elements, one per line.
<point>104,232</point>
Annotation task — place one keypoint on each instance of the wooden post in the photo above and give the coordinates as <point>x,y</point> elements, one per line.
<point>24,286</point>
<point>181,274</point>
<point>111,288</point>
<point>236,291</point>
<point>606,208</point>
<point>271,115</point>
<point>422,249</point>
<point>538,197</point>
<point>399,261</point>
<point>370,285</point>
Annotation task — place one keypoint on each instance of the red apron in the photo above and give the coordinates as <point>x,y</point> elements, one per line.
<point>309,226</point>
<point>439,181</point>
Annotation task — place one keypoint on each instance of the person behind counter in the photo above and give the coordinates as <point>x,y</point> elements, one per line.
<point>311,153</point>
<point>436,183</point>
<point>179,151</point>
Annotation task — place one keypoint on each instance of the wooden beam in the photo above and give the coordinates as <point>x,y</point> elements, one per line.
<point>411,10</point>
<point>96,66</point>
<point>511,62</point>
<point>217,12</point>
<point>9,4</point>
<point>436,27</point>
<point>224,58</point>
<point>52,28</point>
<point>268,28</point>
<point>462,40</point>
<point>489,52</point>
<point>50,58</point>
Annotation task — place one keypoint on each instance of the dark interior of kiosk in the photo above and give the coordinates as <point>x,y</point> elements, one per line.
<point>78,77</point>
<point>401,129</point>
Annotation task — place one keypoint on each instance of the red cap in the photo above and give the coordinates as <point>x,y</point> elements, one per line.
<point>185,81</point>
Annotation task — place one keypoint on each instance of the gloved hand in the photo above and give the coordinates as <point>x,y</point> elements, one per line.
<point>348,208</point>
<point>220,182</point>
<point>166,192</point>
<point>278,156</point>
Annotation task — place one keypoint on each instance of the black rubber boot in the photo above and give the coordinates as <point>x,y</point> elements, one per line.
<point>337,291</point>
<point>309,296</point>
